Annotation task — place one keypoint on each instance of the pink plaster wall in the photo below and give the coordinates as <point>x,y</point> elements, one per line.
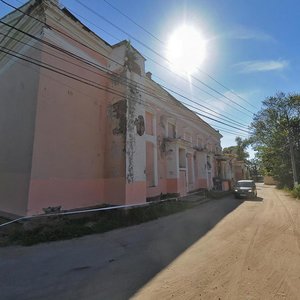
<point>172,185</point>
<point>69,138</point>
<point>67,193</point>
<point>19,83</point>
<point>136,192</point>
<point>202,183</point>
<point>96,54</point>
<point>225,186</point>
<point>157,190</point>
<point>114,190</point>
<point>182,188</point>
<point>150,164</point>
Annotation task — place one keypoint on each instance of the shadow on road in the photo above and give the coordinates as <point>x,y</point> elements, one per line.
<point>114,265</point>
<point>166,240</point>
<point>257,199</point>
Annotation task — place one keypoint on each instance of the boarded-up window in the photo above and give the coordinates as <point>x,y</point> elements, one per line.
<point>171,131</point>
<point>196,172</point>
<point>149,123</point>
<point>150,178</point>
<point>182,158</point>
<point>190,168</point>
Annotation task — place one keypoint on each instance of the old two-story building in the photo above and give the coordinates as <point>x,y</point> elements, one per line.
<point>82,124</point>
<point>230,170</point>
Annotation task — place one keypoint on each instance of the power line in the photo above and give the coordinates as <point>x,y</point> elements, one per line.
<point>97,66</point>
<point>76,75</point>
<point>181,77</point>
<point>155,52</point>
<point>87,81</point>
<point>162,80</point>
<point>95,50</point>
<point>141,27</point>
<point>83,44</point>
<point>228,89</point>
<point>230,131</point>
<point>159,40</point>
<point>142,90</point>
<point>87,20</point>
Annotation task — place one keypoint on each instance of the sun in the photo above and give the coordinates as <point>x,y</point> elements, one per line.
<point>186,50</point>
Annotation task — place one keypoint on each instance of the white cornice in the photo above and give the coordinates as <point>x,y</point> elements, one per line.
<point>76,29</point>
<point>177,110</point>
<point>59,41</point>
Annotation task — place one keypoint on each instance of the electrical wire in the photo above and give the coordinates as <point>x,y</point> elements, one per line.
<point>89,82</point>
<point>83,44</point>
<point>165,68</point>
<point>156,53</point>
<point>164,44</point>
<point>197,108</point>
<point>73,55</point>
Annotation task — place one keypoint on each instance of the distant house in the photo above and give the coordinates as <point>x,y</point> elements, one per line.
<point>269,180</point>
<point>82,124</point>
<point>233,169</point>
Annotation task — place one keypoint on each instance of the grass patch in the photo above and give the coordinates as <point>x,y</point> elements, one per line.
<point>296,191</point>
<point>48,229</point>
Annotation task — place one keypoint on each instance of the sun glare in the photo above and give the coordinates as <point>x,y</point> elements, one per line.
<point>186,50</point>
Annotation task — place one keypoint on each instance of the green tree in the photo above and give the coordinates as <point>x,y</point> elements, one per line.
<point>239,150</point>
<point>276,135</point>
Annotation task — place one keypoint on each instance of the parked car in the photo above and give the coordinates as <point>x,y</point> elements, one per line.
<point>245,189</point>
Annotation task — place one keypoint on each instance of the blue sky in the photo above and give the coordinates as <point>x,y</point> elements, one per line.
<point>253,47</point>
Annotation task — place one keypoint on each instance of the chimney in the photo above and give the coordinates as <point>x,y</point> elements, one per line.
<point>149,75</point>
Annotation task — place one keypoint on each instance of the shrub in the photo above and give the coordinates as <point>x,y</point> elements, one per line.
<point>67,227</point>
<point>296,191</point>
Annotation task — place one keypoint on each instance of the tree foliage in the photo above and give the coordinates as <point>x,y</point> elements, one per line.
<point>239,150</point>
<point>275,127</point>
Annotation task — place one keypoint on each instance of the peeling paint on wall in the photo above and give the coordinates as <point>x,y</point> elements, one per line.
<point>119,77</point>
<point>133,98</point>
<point>130,61</point>
<point>119,112</point>
<point>140,125</point>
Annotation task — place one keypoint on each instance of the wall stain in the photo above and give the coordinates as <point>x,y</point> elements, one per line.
<point>134,97</point>
<point>140,125</point>
<point>130,61</point>
<point>119,112</point>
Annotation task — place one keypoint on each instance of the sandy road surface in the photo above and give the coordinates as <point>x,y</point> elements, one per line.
<point>223,249</point>
<point>254,253</point>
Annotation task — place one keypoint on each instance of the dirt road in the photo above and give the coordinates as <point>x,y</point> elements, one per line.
<point>254,253</point>
<point>223,249</point>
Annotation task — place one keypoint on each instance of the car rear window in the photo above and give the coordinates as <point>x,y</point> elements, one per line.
<point>245,184</point>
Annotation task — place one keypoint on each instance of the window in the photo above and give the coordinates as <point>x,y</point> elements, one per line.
<point>190,168</point>
<point>182,158</point>
<point>208,163</point>
<point>171,131</point>
<point>149,123</point>
<point>150,170</point>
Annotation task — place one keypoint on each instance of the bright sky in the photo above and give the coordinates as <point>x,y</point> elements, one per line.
<point>252,47</point>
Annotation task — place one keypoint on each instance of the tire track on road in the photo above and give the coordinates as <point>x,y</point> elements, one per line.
<point>292,221</point>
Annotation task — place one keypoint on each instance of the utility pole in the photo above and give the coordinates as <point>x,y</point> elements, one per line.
<point>291,144</point>
<point>293,161</point>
